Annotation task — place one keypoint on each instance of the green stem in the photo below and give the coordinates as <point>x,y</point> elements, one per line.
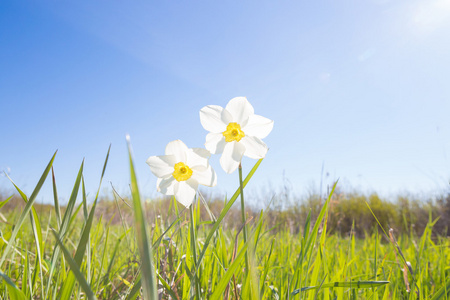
<point>194,252</point>
<point>241,187</point>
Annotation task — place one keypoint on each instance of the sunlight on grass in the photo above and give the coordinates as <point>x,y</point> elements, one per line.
<point>156,256</point>
<point>188,251</point>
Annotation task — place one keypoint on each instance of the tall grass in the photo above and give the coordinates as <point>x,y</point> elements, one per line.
<point>73,253</point>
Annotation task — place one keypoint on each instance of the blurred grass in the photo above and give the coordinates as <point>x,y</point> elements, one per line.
<point>406,214</point>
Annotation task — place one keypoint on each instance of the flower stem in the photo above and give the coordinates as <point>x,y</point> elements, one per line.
<point>194,252</point>
<point>241,187</point>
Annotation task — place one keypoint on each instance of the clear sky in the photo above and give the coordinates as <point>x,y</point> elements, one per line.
<point>358,87</point>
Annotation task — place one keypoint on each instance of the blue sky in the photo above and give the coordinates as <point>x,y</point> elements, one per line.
<point>358,87</point>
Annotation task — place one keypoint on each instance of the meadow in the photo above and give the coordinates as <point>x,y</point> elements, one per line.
<point>126,248</point>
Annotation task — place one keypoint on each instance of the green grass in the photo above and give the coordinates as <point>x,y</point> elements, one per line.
<point>72,252</point>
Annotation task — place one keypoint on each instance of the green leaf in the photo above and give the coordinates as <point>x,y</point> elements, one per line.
<point>69,283</point>
<point>145,249</point>
<point>345,284</point>
<point>442,293</point>
<point>37,234</point>
<point>159,239</point>
<point>111,262</point>
<point>313,236</point>
<point>64,225</point>
<point>225,280</point>
<point>135,290</point>
<point>75,269</point>
<point>56,200</point>
<point>224,212</point>
<point>2,203</point>
<point>26,210</point>
<point>167,287</point>
<point>13,291</point>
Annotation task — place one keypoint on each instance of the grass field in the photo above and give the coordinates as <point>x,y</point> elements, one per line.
<point>71,253</point>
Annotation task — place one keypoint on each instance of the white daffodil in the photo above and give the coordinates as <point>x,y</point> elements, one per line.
<point>235,131</point>
<point>181,170</point>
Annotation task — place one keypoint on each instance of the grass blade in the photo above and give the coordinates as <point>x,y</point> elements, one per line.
<point>148,274</point>
<point>224,212</point>
<point>26,210</point>
<point>442,293</point>
<point>135,290</point>
<point>225,280</point>
<point>79,254</point>
<point>56,200</point>
<point>64,225</point>
<point>37,234</point>
<point>5,201</point>
<point>13,291</point>
<point>75,269</point>
<point>345,284</point>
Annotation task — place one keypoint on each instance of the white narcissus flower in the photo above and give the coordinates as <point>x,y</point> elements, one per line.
<point>235,131</point>
<point>181,170</point>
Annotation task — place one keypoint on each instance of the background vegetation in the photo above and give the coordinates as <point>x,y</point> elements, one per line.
<point>336,247</point>
<point>405,214</point>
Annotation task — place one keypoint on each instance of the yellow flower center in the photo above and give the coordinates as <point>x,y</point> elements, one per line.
<point>233,133</point>
<point>181,172</point>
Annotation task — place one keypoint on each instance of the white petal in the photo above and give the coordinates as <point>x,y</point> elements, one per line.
<point>231,156</point>
<point>254,147</point>
<point>240,109</point>
<point>258,126</point>
<point>178,149</point>
<point>212,118</point>
<point>161,166</point>
<point>186,191</point>
<point>166,186</point>
<point>226,117</point>
<point>204,175</point>
<point>215,142</point>
<point>202,152</point>
<point>197,157</point>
